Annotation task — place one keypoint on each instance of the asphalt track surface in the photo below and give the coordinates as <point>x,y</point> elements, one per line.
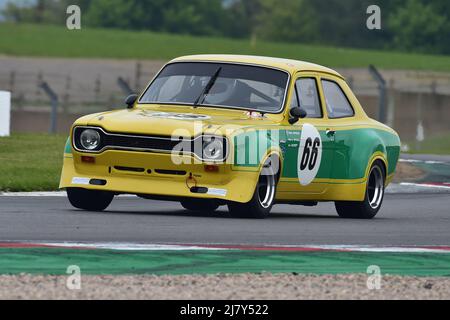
<point>405,219</point>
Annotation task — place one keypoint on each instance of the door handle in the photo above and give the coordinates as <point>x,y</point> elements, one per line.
<point>330,133</point>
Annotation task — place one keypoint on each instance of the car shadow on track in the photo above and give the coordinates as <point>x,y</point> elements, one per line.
<point>303,216</point>
<point>220,214</point>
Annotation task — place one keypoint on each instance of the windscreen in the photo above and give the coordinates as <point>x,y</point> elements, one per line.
<point>219,85</point>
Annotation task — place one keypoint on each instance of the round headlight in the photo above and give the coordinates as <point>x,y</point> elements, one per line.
<point>90,139</point>
<point>213,149</point>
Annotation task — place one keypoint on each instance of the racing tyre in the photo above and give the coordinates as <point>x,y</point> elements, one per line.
<point>262,201</point>
<point>200,205</point>
<point>373,200</point>
<point>90,200</point>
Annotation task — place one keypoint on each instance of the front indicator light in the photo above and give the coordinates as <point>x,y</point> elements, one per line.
<point>211,168</point>
<point>87,159</point>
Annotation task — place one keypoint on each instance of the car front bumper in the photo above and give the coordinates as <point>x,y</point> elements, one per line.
<point>155,174</point>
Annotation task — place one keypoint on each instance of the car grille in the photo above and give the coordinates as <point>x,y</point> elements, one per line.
<point>142,143</point>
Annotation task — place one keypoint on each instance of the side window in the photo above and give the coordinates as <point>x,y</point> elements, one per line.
<point>307,95</point>
<point>337,102</point>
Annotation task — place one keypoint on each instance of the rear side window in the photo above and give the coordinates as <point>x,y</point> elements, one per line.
<point>337,102</point>
<point>307,95</point>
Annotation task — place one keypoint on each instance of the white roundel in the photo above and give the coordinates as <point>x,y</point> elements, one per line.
<point>309,154</point>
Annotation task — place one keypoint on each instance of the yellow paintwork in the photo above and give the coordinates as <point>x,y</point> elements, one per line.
<point>239,182</point>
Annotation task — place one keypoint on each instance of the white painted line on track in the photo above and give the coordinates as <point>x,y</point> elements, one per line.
<point>413,188</point>
<point>435,162</point>
<point>424,185</point>
<point>422,161</point>
<point>409,160</point>
<point>224,247</point>
<point>33,194</point>
<point>386,249</point>
<point>46,194</point>
<point>125,246</point>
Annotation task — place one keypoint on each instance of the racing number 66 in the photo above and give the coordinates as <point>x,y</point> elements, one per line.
<point>310,153</point>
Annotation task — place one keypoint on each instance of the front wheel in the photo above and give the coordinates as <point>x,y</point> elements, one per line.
<point>368,208</point>
<point>90,200</point>
<point>262,201</point>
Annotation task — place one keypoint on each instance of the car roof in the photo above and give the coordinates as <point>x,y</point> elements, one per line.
<point>289,65</point>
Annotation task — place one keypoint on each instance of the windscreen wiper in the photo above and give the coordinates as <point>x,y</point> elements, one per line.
<point>207,88</point>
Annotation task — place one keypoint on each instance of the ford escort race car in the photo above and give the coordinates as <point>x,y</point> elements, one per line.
<point>243,131</point>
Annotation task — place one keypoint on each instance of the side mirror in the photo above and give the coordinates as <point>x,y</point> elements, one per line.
<point>296,114</point>
<point>131,100</point>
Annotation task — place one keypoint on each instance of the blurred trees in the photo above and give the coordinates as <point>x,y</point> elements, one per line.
<point>422,26</point>
<point>200,17</point>
<point>413,25</point>
<point>288,20</point>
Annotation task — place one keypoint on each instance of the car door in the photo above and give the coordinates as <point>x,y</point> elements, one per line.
<point>341,120</point>
<point>309,150</point>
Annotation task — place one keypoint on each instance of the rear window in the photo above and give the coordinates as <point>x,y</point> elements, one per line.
<point>338,105</point>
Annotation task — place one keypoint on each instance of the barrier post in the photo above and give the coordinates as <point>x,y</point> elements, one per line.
<point>124,86</point>
<point>54,103</point>
<point>382,89</point>
<point>5,113</point>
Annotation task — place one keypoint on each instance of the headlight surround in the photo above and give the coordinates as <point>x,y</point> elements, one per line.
<point>90,139</point>
<point>213,148</point>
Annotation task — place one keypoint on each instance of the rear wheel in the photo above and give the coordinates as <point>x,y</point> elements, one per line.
<point>262,201</point>
<point>90,200</point>
<point>368,208</point>
<point>200,205</point>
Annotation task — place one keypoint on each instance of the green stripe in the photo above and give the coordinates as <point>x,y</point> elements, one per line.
<point>68,147</point>
<point>345,157</point>
<point>56,261</point>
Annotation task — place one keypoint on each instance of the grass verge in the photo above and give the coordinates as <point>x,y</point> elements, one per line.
<point>31,162</point>
<point>57,41</point>
<point>435,145</point>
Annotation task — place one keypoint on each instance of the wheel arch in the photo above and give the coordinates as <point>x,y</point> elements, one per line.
<point>381,157</point>
<point>366,148</point>
<point>273,152</point>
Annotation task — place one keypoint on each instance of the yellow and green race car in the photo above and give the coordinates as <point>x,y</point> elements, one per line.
<point>243,131</point>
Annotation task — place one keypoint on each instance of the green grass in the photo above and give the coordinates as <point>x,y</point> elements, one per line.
<point>434,145</point>
<point>57,41</point>
<point>31,162</point>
